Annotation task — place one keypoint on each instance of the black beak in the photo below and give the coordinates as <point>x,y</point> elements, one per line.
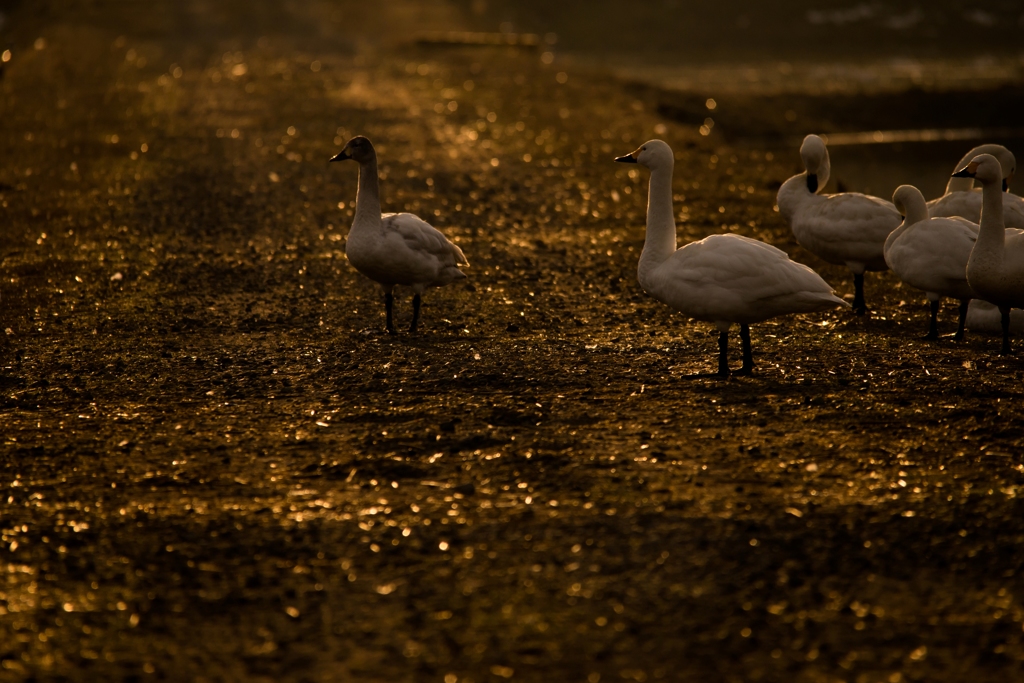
<point>812,182</point>
<point>1006,185</point>
<point>340,156</point>
<point>628,159</point>
<point>964,172</point>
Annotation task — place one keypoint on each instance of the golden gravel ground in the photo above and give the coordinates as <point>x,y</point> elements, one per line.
<point>214,465</point>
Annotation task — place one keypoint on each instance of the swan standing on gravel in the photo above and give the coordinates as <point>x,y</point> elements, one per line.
<point>848,228</point>
<point>931,254</point>
<point>995,269</point>
<point>395,248</point>
<point>723,279</point>
<point>964,200</point>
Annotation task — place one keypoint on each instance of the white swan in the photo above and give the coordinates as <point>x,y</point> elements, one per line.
<point>963,199</point>
<point>723,279</point>
<point>848,228</point>
<point>931,254</point>
<point>395,248</point>
<point>995,269</point>
<point>985,317</point>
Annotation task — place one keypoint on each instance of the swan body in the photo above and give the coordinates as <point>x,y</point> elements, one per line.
<point>395,248</point>
<point>931,254</point>
<point>995,269</point>
<point>848,228</point>
<point>722,279</point>
<point>963,199</point>
<point>985,317</point>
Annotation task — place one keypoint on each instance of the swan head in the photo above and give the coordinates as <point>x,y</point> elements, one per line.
<point>1005,157</point>
<point>814,155</point>
<point>985,168</point>
<point>359,149</point>
<point>910,203</point>
<point>653,154</point>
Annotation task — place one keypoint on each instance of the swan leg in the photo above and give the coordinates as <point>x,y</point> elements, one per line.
<point>1005,319</point>
<point>723,354</point>
<point>962,324</point>
<point>933,323</point>
<point>748,355</point>
<point>415,312</point>
<point>389,303</point>
<point>859,307</point>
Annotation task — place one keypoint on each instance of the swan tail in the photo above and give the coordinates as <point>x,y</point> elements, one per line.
<point>449,275</point>
<point>460,258</point>
<point>836,301</point>
<point>822,301</point>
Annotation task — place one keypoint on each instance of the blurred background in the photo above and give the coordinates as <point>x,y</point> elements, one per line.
<point>671,31</point>
<point>950,72</point>
<point>944,74</point>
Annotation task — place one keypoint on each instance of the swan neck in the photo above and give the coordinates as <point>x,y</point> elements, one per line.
<point>824,171</point>
<point>959,184</point>
<point>955,184</point>
<point>367,196</point>
<point>916,210</point>
<point>992,230</point>
<point>793,194</point>
<point>895,235</point>
<point>660,242</point>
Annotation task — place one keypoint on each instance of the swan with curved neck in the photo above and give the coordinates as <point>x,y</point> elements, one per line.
<point>931,254</point>
<point>848,228</point>
<point>722,279</point>
<point>995,269</point>
<point>395,248</point>
<point>963,199</point>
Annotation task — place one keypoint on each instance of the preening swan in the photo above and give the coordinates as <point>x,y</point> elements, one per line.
<point>963,199</point>
<point>395,248</point>
<point>722,279</point>
<point>848,228</point>
<point>995,269</point>
<point>931,254</point>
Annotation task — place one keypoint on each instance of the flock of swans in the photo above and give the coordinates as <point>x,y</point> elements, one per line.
<point>967,244</point>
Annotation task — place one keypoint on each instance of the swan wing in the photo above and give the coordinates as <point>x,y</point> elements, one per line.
<point>407,251</point>
<point>423,238</point>
<point>738,279</point>
<point>1013,211</point>
<point>966,204</point>
<point>932,255</point>
<point>847,227</point>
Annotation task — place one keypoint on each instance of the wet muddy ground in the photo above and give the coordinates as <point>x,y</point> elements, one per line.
<point>215,466</point>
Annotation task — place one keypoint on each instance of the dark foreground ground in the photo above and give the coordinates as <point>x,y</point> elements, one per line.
<point>215,467</point>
